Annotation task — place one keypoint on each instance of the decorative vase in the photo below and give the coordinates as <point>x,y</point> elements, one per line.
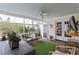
<point>13,44</point>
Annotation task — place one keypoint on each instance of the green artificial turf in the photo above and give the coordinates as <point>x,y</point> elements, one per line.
<point>43,48</point>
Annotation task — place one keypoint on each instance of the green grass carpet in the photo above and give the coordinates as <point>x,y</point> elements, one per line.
<point>43,48</point>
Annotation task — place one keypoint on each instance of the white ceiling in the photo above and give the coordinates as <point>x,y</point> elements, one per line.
<point>33,9</point>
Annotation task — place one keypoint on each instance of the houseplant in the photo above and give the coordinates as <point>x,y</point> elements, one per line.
<point>32,29</point>
<point>13,40</point>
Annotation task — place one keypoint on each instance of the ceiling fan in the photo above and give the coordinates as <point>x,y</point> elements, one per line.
<point>43,13</point>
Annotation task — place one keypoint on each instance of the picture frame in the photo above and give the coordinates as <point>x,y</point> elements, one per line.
<point>65,32</point>
<point>59,29</point>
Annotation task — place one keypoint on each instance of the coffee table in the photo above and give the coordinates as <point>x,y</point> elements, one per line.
<point>24,49</point>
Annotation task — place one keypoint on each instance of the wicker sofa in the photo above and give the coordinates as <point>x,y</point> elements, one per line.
<point>64,50</point>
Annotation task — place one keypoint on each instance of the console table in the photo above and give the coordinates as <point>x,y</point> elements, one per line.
<point>24,49</point>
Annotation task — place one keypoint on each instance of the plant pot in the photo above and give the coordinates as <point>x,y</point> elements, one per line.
<point>13,44</point>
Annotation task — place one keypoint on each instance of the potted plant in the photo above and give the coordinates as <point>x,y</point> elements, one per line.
<point>13,40</point>
<point>32,29</point>
<point>51,37</point>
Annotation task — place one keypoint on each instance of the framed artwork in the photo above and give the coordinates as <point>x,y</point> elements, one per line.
<point>66,29</point>
<point>65,34</point>
<point>59,29</point>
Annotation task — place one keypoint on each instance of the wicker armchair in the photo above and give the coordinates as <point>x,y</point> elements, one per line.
<point>63,50</point>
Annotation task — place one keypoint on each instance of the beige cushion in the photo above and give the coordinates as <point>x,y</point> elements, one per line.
<point>28,39</point>
<point>58,53</point>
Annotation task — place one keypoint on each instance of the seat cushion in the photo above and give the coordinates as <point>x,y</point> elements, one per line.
<point>58,53</point>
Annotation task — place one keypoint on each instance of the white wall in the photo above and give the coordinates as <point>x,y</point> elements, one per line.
<point>60,19</point>
<point>44,29</point>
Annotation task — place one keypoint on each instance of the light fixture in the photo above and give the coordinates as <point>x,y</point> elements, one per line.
<point>43,14</point>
